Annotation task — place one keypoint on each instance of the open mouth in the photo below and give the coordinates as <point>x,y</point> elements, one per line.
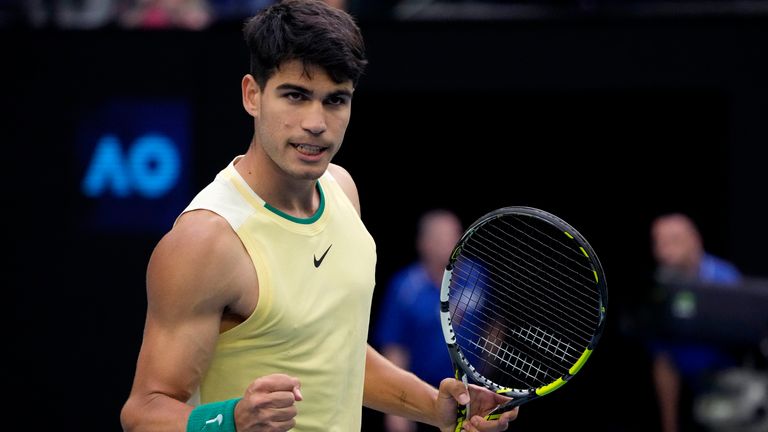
<point>309,149</point>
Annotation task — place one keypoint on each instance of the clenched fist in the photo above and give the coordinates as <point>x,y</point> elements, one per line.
<point>268,404</point>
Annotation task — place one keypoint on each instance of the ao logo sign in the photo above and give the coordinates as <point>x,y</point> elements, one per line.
<point>149,167</point>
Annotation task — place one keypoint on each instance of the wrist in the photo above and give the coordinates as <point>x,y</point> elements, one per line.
<point>213,417</point>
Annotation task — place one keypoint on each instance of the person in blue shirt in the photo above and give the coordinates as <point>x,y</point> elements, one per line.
<point>681,258</point>
<point>408,332</point>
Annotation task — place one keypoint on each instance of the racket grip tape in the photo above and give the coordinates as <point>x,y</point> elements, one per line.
<point>461,417</point>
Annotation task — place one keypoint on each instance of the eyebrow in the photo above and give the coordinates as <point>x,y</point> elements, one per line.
<point>306,91</point>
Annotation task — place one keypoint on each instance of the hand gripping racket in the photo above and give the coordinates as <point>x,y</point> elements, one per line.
<point>522,303</point>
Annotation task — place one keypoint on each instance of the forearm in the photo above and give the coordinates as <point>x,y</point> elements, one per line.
<point>393,390</point>
<point>156,412</point>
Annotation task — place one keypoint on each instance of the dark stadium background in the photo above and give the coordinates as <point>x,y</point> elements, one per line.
<point>604,121</point>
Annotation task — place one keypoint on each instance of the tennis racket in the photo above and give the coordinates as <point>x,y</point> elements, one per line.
<point>522,305</point>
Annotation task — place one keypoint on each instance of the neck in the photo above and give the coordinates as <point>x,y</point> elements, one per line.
<point>295,197</point>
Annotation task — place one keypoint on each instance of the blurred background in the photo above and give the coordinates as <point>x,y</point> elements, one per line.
<point>606,113</point>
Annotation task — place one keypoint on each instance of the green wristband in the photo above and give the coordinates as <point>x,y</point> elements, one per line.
<point>213,417</point>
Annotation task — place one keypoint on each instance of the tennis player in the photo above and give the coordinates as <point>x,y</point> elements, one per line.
<point>259,296</point>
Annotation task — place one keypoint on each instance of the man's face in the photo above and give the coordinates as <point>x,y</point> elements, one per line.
<point>676,244</point>
<point>438,239</point>
<point>302,119</point>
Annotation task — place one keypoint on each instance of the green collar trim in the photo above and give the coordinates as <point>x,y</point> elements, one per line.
<point>303,221</point>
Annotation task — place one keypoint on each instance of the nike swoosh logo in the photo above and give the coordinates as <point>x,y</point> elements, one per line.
<point>320,261</point>
<point>219,418</point>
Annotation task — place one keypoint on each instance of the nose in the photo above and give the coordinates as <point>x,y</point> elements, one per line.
<point>314,119</point>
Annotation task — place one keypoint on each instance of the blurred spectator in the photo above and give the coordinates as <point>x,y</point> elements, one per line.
<point>161,14</point>
<point>71,14</point>
<point>236,10</point>
<point>194,14</point>
<point>409,332</point>
<point>134,14</point>
<point>678,368</point>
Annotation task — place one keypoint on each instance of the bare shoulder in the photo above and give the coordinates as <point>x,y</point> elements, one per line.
<point>195,263</point>
<point>344,179</point>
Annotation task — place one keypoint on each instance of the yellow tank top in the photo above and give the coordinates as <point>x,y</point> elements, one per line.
<point>316,279</point>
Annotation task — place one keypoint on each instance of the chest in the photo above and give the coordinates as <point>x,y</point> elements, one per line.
<point>309,284</point>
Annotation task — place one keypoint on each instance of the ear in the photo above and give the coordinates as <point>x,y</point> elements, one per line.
<point>251,92</point>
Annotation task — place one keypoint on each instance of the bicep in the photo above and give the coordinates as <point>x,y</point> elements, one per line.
<point>181,329</point>
<point>191,279</point>
<point>189,284</point>
<point>174,355</point>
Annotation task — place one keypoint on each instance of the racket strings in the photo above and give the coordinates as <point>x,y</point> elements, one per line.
<point>506,355</point>
<point>536,292</point>
<point>505,274</point>
<point>550,345</point>
<point>493,350</point>
<point>559,251</point>
<point>574,263</point>
<point>535,368</point>
<point>471,299</point>
<point>478,307</point>
<point>513,253</point>
<point>550,264</point>
<point>566,352</point>
<point>464,286</point>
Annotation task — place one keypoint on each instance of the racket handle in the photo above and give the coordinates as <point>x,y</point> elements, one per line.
<point>461,417</point>
<point>504,407</point>
<point>462,410</point>
<point>494,414</point>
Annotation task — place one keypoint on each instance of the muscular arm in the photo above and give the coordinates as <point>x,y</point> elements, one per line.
<point>396,391</point>
<point>191,278</point>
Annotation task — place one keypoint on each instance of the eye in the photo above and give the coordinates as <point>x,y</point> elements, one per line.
<point>295,96</point>
<point>337,100</point>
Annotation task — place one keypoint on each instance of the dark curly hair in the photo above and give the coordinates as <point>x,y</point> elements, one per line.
<point>307,30</point>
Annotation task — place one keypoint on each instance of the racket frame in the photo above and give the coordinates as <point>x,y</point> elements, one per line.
<point>463,370</point>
